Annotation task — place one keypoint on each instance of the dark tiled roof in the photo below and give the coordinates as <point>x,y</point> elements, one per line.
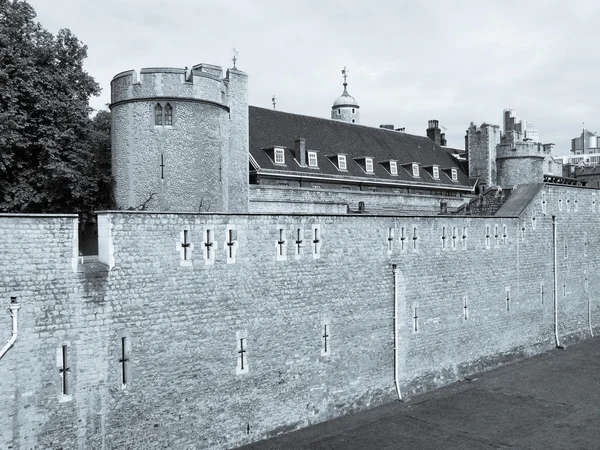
<point>269,128</point>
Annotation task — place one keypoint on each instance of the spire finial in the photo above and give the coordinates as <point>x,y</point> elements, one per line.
<point>274,100</point>
<point>345,75</point>
<point>235,57</point>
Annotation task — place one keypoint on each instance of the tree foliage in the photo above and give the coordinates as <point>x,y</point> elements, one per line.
<point>51,152</point>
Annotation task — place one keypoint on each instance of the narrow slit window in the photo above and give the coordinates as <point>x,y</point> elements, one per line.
<point>390,240</point>
<point>242,354</point>
<point>168,115</point>
<point>209,253</point>
<point>231,244</point>
<point>402,238</point>
<point>443,237</point>
<point>542,293</point>
<point>185,246</point>
<point>316,242</point>
<point>508,300</point>
<point>415,320</point>
<point>123,361</point>
<point>64,371</point>
<point>464,237</point>
<point>465,309</point>
<point>281,244</point>
<point>299,241</point>
<point>454,236</point>
<point>158,115</point>
<point>415,238</point>
<point>487,236</point>
<point>162,166</point>
<point>325,339</point>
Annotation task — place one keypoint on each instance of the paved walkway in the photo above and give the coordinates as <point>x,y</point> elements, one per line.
<point>550,401</point>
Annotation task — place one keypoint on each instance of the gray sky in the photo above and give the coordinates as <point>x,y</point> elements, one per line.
<point>456,61</point>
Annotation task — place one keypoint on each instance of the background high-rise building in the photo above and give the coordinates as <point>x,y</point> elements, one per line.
<point>526,130</point>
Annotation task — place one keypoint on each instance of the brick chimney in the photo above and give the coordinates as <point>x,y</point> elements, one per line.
<point>434,133</point>
<point>300,151</point>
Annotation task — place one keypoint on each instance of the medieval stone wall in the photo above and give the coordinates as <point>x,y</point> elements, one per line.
<point>313,320</point>
<point>286,200</point>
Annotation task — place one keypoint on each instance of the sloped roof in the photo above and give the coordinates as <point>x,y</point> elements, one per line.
<point>269,128</point>
<point>519,200</point>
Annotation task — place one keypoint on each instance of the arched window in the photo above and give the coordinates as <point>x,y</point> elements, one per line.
<point>168,115</point>
<point>158,117</point>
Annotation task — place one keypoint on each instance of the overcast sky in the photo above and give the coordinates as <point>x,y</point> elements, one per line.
<point>456,61</point>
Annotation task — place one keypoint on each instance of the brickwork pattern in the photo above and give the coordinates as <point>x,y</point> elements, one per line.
<point>183,321</point>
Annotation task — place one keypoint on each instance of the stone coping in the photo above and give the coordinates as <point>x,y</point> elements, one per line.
<point>259,214</point>
<point>40,215</point>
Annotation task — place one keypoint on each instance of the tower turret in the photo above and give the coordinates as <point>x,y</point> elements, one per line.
<point>345,107</point>
<point>180,139</point>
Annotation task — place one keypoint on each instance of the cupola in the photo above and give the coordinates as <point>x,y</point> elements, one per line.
<point>345,107</point>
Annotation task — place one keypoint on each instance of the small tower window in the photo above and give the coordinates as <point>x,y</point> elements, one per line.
<point>168,115</point>
<point>342,162</point>
<point>415,170</point>
<point>436,172</point>
<point>352,110</point>
<point>339,111</point>
<point>312,159</point>
<point>369,165</point>
<point>353,121</point>
<point>393,168</point>
<point>158,115</point>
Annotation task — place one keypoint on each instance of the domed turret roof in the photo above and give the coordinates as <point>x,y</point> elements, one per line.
<point>345,99</point>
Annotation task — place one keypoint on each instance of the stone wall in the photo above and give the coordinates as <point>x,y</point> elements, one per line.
<point>287,200</point>
<point>183,309</point>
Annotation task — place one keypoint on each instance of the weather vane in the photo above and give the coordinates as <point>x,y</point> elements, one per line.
<point>345,74</point>
<point>235,57</point>
<point>274,100</point>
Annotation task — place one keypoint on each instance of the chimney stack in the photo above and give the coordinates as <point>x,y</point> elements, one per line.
<point>434,133</point>
<point>300,151</point>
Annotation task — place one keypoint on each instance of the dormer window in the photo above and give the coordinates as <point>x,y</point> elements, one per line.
<point>369,165</point>
<point>279,156</point>
<point>312,159</point>
<point>393,168</point>
<point>415,169</point>
<point>436,172</point>
<point>342,162</point>
<point>454,175</point>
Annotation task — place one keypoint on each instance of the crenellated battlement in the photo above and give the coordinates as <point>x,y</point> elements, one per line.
<point>520,149</point>
<point>201,82</point>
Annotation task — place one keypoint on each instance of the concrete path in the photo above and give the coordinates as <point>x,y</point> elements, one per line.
<point>550,401</point>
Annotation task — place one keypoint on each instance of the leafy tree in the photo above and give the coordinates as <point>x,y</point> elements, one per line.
<point>51,152</point>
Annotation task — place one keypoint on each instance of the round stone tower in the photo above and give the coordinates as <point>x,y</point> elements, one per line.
<point>345,107</point>
<point>180,139</point>
<point>519,162</point>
